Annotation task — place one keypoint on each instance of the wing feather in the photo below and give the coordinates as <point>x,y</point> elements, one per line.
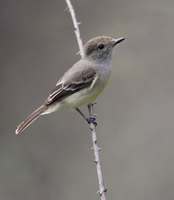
<point>72,85</point>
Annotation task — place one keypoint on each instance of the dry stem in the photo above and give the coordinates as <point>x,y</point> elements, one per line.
<point>102,190</point>
<point>96,149</point>
<point>76,27</point>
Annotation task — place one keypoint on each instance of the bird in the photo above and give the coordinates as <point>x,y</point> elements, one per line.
<point>82,83</point>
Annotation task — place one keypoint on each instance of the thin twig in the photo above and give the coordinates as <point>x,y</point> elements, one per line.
<point>76,27</point>
<point>96,149</point>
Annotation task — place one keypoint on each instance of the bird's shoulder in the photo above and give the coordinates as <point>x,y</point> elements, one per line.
<point>80,71</point>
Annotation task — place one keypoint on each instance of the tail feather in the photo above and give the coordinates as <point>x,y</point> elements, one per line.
<point>30,119</point>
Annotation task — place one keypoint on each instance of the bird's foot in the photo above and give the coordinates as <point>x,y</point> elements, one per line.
<point>91,120</point>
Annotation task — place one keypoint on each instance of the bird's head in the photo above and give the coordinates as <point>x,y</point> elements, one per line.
<point>100,48</point>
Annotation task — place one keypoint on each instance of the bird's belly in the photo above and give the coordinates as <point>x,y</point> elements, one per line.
<point>83,97</point>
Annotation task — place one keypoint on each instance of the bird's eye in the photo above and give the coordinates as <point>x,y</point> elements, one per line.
<point>101,46</point>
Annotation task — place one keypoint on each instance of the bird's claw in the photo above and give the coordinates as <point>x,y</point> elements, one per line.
<point>92,120</point>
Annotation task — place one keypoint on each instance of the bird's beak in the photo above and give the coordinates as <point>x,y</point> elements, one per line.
<point>116,41</point>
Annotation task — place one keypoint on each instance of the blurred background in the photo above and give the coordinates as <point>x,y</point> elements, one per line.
<point>50,159</point>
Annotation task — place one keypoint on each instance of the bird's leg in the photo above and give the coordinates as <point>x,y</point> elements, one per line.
<point>88,119</point>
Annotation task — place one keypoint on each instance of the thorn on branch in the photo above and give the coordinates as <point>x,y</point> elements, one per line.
<point>101,193</point>
<point>78,53</point>
<point>67,9</point>
<point>105,190</point>
<point>92,149</point>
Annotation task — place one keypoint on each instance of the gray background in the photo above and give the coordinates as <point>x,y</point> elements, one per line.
<point>50,160</point>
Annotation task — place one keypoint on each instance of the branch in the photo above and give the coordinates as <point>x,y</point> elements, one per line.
<point>102,190</point>
<point>76,27</point>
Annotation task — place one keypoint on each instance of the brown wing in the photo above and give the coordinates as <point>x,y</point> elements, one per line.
<point>75,83</point>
